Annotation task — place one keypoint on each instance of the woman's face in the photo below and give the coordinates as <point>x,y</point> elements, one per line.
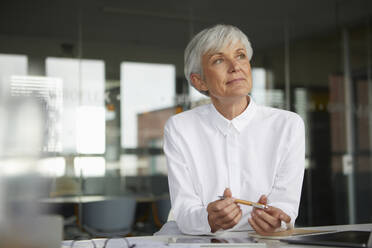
<point>227,73</point>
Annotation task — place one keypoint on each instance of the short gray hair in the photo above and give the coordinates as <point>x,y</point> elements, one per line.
<point>211,39</point>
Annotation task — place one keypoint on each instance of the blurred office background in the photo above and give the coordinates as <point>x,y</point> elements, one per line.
<point>86,87</point>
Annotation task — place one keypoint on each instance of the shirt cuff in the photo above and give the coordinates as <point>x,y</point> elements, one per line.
<point>205,223</point>
<point>284,226</point>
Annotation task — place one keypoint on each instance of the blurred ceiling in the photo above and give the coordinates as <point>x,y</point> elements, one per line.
<point>170,23</point>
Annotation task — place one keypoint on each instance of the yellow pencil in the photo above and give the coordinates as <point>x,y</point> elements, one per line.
<point>249,203</point>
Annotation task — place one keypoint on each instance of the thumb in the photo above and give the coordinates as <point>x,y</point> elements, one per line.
<point>263,199</point>
<point>227,193</point>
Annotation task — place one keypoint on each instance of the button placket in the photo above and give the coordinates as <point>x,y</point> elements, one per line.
<point>233,165</point>
<point>231,161</point>
<point>235,168</point>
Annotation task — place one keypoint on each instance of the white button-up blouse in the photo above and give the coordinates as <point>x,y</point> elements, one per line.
<point>261,151</point>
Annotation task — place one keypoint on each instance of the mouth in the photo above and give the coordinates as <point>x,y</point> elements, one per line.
<point>235,80</point>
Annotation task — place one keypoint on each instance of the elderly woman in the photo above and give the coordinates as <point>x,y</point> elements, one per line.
<point>232,147</point>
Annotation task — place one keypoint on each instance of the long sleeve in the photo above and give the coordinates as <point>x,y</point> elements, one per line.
<point>260,151</point>
<point>187,206</point>
<point>286,191</point>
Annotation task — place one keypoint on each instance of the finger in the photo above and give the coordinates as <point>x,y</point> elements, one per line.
<point>238,217</point>
<point>263,199</point>
<point>272,221</point>
<point>234,221</point>
<point>217,213</point>
<point>227,193</point>
<point>212,223</point>
<point>214,217</point>
<point>219,204</point>
<point>273,210</point>
<point>229,214</point>
<point>278,213</point>
<point>262,223</point>
<point>255,210</point>
<point>255,226</point>
<point>284,217</point>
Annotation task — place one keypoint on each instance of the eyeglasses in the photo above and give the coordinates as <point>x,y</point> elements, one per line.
<point>83,244</point>
<point>104,243</point>
<point>116,242</point>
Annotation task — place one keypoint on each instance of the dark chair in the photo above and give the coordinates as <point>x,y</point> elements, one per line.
<point>160,211</point>
<point>109,218</point>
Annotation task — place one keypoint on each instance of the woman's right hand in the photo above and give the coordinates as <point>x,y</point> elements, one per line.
<point>223,214</point>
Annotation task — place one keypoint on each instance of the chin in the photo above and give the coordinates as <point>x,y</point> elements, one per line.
<point>240,92</point>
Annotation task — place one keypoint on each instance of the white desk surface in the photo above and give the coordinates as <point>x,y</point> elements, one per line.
<point>76,199</point>
<point>227,235</point>
<point>96,198</point>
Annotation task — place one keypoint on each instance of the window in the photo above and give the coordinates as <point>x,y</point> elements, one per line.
<point>83,118</point>
<point>147,99</point>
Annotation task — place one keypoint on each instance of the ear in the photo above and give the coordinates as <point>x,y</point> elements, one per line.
<point>198,82</point>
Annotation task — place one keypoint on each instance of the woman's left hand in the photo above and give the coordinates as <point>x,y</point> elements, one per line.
<point>268,220</point>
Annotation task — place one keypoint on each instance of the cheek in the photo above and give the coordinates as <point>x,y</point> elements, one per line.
<point>249,74</point>
<point>248,68</point>
<point>214,79</point>
<point>250,84</point>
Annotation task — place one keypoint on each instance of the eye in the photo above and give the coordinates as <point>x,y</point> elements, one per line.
<point>218,61</point>
<point>242,56</point>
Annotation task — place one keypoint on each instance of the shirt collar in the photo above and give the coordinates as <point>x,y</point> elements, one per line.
<point>239,122</point>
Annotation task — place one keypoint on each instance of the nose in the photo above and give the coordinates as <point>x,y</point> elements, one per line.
<point>234,65</point>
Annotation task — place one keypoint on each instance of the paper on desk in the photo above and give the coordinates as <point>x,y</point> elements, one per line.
<point>287,233</point>
<point>213,241</point>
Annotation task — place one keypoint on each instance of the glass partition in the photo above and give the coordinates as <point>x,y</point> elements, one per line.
<point>87,87</point>
<point>147,101</point>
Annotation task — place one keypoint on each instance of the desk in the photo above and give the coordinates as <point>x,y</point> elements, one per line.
<point>95,198</point>
<point>144,201</point>
<point>150,198</point>
<point>224,235</point>
<point>76,199</point>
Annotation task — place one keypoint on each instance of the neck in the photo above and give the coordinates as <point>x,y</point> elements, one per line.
<point>231,108</point>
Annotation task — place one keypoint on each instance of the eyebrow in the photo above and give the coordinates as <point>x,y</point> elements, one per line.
<point>220,53</point>
<point>214,54</point>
